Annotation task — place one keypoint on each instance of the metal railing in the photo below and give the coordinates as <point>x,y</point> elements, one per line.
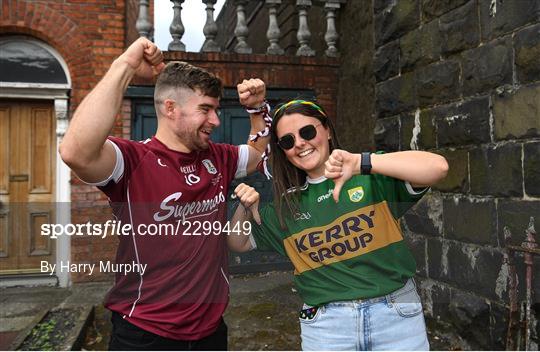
<point>519,322</point>
<point>241,32</point>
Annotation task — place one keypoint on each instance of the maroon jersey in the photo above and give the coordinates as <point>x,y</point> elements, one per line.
<point>184,289</point>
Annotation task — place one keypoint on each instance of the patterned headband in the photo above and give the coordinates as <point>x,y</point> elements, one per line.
<point>305,102</point>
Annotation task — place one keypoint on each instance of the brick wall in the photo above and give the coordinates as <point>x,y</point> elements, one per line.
<point>462,78</point>
<point>279,72</point>
<point>89,35</point>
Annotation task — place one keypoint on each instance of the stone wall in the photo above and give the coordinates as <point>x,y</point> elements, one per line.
<point>462,78</point>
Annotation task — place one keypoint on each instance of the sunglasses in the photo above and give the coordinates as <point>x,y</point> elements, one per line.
<point>307,133</point>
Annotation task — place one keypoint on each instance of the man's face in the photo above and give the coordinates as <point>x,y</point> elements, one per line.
<point>195,116</point>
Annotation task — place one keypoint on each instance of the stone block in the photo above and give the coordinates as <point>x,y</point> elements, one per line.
<point>487,67</point>
<point>498,326</point>
<point>386,63</point>
<point>457,179</point>
<point>437,258</point>
<point>496,171</point>
<point>462,123</point>
<point>527,52</point>
<point>459,29</point>
<point>435,8</point>
<point>417,246</point>
<point>380,5</point>
<point>500,17</point>
<point>387,134</point>
<point>516,215</point>
<point>417,131</point>
<point>440,300</point>
<point>531,169</point>
<point>474,269</point>
<point>470,315</point>
<point>516,114</point>
<point>395,95</point>
<point>420,47</point>
<point>438,83</point>
<point>425,217</point>
<point>470,220</point>
<point>395,20</point>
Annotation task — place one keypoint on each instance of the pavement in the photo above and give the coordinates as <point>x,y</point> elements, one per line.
<point>262,313</point>
<point>23,307</point>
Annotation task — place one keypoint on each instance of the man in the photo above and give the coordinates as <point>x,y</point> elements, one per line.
<point>176,180</point>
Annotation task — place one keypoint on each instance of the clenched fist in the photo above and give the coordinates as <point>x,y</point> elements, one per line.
<point>341,166</point>
<point>249,198</point>
<point>252,92</point>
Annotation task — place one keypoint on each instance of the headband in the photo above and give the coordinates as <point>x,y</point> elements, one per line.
<point>305,102</point>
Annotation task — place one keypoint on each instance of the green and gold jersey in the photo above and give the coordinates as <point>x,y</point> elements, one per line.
<point>350,250</point>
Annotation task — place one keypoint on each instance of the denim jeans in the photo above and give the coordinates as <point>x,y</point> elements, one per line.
<point>391,322</point>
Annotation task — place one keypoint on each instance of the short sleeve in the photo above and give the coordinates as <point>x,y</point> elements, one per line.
<point>131,153</point>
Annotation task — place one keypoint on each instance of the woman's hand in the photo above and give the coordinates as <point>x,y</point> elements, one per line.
<point>341,166</point>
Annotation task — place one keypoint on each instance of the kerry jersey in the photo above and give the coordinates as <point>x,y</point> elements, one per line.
<point>184,289</point>
<point>350,250</point>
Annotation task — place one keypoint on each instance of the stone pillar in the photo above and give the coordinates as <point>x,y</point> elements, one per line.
<point>273,33</point>
<point>241,31</point>
<point>210,28</point>
<point>143,25</point>
<point>331,35</point>
<point>177,28</point>
<point>303,35</point>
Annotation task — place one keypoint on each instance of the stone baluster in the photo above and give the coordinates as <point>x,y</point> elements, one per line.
<point>331,37</point>
<point>273,31</point>
<point>177,28</point>
<point>303,35</point>
<point>241,31</point>
<point>210,28</point>
<point>143,25</point>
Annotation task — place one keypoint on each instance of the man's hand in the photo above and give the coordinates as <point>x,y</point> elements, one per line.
<point>144,57</point>
<point>249,198</point>
<point>252,92</point>
<point>341,166</point>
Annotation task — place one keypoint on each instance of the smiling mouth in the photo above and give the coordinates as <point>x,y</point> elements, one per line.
<point>206,131</point>
<point>306,153</point>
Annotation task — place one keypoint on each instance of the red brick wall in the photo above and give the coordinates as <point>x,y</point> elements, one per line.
<point>88,34</point>
<point>286,72</point>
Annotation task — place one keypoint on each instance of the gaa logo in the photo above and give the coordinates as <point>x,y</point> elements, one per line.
<point>356,194</point>
<point>209,166</point>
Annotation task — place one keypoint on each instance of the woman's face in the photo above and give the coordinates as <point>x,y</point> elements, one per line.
<point>308,155</point>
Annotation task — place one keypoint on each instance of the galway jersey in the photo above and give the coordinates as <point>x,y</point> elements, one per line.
<point>168,197</point>
<point>350,250</point>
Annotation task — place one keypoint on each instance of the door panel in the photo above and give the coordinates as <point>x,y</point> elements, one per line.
<point>28,157</point>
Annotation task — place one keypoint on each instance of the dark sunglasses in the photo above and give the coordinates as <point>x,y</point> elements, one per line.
<point>307,133</point>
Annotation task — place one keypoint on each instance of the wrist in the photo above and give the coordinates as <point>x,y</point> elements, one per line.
<point>262,108</point>
<point>365,163</point>
<point>357,164</point>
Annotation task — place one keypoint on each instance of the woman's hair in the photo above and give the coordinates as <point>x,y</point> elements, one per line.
<point>287,178</point>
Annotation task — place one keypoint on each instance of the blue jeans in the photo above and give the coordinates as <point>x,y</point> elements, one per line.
<point>391,322</point>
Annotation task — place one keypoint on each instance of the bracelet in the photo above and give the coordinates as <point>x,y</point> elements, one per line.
<point>263,109</point>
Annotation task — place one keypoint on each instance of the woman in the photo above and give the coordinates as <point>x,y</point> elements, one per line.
<point>334,215</point>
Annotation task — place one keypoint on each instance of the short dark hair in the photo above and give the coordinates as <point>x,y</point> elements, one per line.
<point>179,74</point>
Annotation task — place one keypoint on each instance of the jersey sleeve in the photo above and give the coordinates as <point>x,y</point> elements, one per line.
<point>267,235</point>
<point>128,156</point>
<point>399,194</point>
